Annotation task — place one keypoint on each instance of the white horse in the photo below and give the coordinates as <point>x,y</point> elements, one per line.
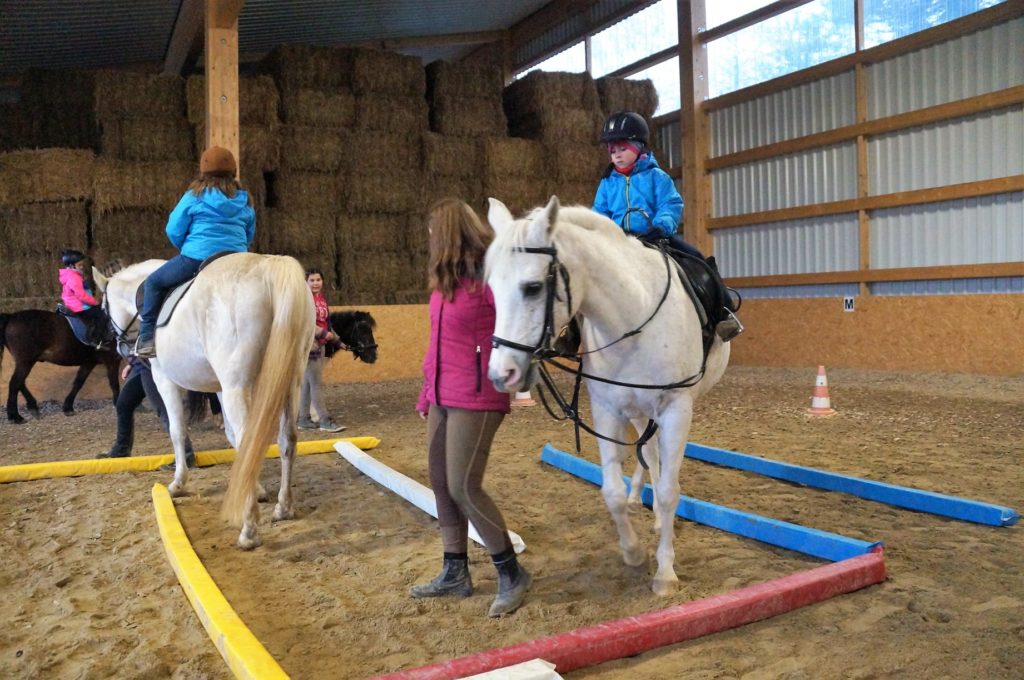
<point>559,261</point>
<point>243,330</point>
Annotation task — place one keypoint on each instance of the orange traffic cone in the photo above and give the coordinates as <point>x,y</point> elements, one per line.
<point>523,399</point>
<point>821,404</point>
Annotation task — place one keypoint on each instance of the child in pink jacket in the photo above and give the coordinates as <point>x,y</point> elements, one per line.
<point>78,299</point>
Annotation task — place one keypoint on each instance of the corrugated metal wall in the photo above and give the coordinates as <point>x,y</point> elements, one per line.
<point>820,244</point>
<point>985,61</point>
<point>814,176</point>
<point>813,107</point>
<point>978,147</point>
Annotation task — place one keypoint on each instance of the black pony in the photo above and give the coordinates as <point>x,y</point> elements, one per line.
<point>35,335</point>
<point>355,334</point>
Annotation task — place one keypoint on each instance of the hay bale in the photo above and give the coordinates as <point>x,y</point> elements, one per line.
<point>414,296</point>
<point>254,182</point>
<point>145,229</point>
<point>623,94</point>
<point>146,139</point>
<point>313,149</point>
<point>380,72</point>
<point>43,228</point>
<point>391,113</point>
<point>45,175</point>
<point>452,156</point>
<point>127,253</point>
<point>308,191</point>
<point>520,194</point>
<point>377,275</point>
<point>34,276</point>
<point>450,80</point>
<point>59,106</point>
<point>371,233</point>
<point>260,146</point>
<point>119,185</point>
<point>553,106</point>
<point>16,131</point>
<point>582,126</point>
<point>575,162</point>
<point>379,192</point>
<point>468,189</point>
<point>9,305</point>
<point>576,193</point>
<point>512,157</point>
<point>126,94</point>
<point>291,232</point>
<point>258,101</point>
<point>304,106</point>
<point>467,116</point>
<point>304,66</point>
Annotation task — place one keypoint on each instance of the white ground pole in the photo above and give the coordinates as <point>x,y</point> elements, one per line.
<point>536,669</point>
<point>409,489</point>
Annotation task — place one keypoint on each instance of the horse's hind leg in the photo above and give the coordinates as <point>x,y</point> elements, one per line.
<point>236,412</point>
<point>16,385</point>
<point>288,434</point>
<point>613,488</point>
<point>80,377</point>
<point>30,401</point>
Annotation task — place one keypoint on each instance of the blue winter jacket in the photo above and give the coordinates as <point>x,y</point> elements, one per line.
<point>201,226</point>
<point>648,188</point>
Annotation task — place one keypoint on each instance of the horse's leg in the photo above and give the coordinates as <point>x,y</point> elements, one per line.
<point>30,401</point>
<point>173,396</point>
<point>674,428</point>
<point>80,377</point>
<point>613,488</point>
<point>17,384</point>
<point>236,411</point>
<point>287,435</point>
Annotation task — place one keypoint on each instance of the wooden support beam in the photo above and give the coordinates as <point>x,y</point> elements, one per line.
<point>985,187</point>
<point>942,272</point>
<point>693,89</point>
<point>186,41</point>
<point>222,75</point>
<point>989,101</point>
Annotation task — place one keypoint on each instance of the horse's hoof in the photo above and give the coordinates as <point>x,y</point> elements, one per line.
<point>16,421</point>
<point>634,506</point>
<point>34,412</point>
<point>664,587</point>
<point>247,543</point>
<point>634,558</point>
<point>176,490</point>
<point>281,514</point>
<point>69,413</point>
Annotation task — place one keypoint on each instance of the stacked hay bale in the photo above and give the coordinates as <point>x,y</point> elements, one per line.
<point>562,113</point>
<point>623,94</point>
<point>43,210</point>
<point>59,106</point>
<point>15,129</point>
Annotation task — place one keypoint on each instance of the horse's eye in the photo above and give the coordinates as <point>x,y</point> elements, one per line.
<point>532,289</point>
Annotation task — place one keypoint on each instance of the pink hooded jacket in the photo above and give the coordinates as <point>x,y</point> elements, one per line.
<point>455,366</point>
<point>73,291</point>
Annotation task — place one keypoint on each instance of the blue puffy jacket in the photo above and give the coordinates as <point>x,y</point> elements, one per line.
<point>201,226</point>
<point>648,188</point>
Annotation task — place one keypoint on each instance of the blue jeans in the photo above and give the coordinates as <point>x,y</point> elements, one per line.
<point>176,270</point>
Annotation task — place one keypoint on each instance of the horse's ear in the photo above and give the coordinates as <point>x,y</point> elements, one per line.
<point>545,219</point>
<point>99,278</point>
<point>498,214</point>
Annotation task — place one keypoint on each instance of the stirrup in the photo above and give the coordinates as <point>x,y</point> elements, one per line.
<point>729,327</point>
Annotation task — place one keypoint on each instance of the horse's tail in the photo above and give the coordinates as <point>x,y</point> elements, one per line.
<point>287,348</point>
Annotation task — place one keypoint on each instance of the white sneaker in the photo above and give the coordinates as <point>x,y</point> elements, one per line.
<point>329,426</point>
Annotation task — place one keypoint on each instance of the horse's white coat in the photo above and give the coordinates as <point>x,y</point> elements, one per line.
<point>616,283</point>
<point>243,330</point>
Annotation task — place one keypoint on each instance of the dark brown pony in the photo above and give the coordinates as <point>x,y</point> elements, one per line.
<point>35,335</point>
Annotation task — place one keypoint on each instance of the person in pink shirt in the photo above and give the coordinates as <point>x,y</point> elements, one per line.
<point>462,408</point>
<point>313,378</point>
<point>78,298</point>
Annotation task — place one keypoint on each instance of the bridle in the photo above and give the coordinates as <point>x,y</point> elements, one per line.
<point>125,345</point>
<point>543,353</point>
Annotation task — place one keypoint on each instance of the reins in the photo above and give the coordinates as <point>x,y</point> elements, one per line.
<point>543,353</point>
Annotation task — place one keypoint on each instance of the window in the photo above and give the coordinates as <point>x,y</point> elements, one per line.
<point>886,20</point>
<point>717,13</point>
<point>805,36</point>
<point>572,60</point>
<point>665,77</point>
<point>640,35</point>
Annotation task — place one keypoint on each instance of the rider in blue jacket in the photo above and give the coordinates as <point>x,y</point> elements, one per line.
<point>642,199</point>
<point>214,216</point>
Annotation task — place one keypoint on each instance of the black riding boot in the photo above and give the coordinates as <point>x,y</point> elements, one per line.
<point>454,579</point>
<point>513,582</point>
<point>727,324</point>
<point>568,343</point>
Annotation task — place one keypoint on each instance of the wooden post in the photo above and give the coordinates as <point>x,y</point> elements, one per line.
<point>693,86</point>
<point>863,188</point>
<point>221,60</point>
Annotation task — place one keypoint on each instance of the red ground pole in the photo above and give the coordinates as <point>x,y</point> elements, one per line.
<point>636,634</point>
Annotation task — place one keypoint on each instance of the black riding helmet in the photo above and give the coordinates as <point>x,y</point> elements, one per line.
<point>625,125</point>
<point>70,257</point>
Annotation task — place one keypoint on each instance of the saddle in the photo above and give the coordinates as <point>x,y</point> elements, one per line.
<point>174,296</point>
<point>91,334</point>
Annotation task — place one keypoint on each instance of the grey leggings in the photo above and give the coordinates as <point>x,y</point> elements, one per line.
<point>458,445</point>
<point>310,392</point>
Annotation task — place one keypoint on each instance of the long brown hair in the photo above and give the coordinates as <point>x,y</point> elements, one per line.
<point>228,186</point>
<point>458,241</point>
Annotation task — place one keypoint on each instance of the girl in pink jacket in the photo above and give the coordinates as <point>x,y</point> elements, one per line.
<point>462,408</point>
<point>78,299</point>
